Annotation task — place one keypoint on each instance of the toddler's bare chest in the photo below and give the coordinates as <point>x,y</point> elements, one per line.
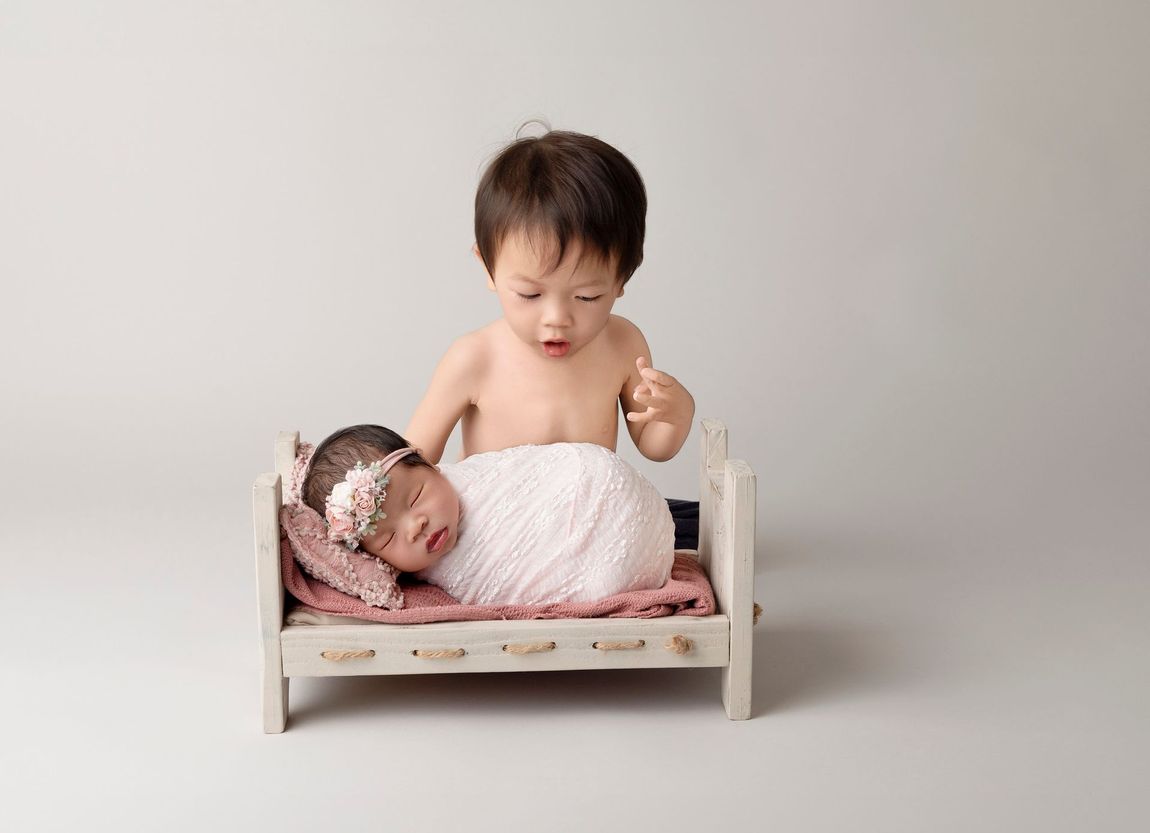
<point>523,407</point>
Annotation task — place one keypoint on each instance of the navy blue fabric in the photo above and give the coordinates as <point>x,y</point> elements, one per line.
<point>685,513</point>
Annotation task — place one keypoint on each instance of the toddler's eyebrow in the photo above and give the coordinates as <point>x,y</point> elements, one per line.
<point>537,282</point>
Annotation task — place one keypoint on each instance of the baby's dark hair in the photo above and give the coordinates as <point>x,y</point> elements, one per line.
<point>342,450</point>
<point>566,187</point>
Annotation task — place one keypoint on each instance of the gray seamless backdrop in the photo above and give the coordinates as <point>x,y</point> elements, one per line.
<point>900,248</point>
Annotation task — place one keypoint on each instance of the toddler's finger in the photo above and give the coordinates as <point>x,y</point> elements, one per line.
<point>657,376</point>
<point>641,362</point>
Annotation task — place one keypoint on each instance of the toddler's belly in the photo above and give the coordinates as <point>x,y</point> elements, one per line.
<point>495,430</point>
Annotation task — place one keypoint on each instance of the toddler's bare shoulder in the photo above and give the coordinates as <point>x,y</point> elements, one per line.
<point>626,338</point>
<point>469,353</point>
<point>486,338</point>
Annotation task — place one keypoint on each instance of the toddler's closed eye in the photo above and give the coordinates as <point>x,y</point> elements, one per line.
<point>417,494</point>
<point>527,297</point>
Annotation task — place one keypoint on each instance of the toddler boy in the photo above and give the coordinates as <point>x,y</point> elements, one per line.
<point>559,226</point>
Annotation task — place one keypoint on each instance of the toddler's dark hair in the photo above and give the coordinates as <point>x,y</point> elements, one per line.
<point>342,450</point>
<point>566,187</point>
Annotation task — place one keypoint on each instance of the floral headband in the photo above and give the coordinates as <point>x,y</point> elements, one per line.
<point>356,502</point>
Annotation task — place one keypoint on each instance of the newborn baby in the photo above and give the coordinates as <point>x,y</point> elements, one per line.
<point>534,524</point>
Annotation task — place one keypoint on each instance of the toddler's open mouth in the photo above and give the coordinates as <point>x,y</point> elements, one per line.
<point>436,541</point>
<point>556,349</point>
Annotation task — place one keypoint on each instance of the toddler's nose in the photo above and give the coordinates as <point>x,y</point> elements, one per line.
<point>557,315</point>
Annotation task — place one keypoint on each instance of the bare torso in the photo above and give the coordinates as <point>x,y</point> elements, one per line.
<point>525,397</point>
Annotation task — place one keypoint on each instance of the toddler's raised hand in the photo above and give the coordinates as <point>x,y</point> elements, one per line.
<point>666,400</point>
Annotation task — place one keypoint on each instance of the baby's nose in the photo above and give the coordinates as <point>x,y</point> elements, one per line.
<point>418,522</point>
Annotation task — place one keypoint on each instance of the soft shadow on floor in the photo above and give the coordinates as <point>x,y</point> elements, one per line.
<point>543,693</point>
<point>798,665</point>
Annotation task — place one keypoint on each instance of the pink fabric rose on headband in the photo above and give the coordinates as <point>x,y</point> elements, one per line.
<point>361,479</point>
<point>356,503</point>
<point>340,524</point>
<point>364,503</point>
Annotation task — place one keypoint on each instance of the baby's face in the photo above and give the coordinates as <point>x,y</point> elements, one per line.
<point>422,523</point>
<point>555,312</point>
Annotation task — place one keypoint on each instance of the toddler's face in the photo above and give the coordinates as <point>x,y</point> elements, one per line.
<point>422,523</point>
<point>559,312</point>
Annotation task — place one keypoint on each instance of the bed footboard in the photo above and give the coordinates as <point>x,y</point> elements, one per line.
<point>727,552</point>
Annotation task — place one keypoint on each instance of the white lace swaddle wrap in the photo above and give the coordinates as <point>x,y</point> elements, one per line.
<point>569,522</point>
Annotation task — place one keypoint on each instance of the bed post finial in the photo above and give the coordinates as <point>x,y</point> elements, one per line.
<point>712,457</point>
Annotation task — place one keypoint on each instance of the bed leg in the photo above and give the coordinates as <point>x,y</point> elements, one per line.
<point>737,580</point>
<point>275,702</point>
<point>737,689</point>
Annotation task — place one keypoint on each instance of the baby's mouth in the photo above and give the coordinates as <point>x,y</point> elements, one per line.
<point>436,541</point>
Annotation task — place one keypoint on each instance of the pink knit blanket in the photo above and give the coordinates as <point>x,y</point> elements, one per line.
<point>686,593</point>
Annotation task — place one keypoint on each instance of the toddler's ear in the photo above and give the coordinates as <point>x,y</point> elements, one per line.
<point>479,257</point>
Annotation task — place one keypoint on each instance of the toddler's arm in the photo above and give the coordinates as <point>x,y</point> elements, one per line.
<point>658,408</point>
<point>447,397</point>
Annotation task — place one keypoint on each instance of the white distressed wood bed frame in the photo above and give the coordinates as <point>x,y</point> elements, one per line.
<point>726,551</point>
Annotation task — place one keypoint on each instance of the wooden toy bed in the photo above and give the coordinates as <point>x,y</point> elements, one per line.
<point>726,551</point>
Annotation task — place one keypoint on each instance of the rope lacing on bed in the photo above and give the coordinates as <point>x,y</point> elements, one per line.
<point>452,653</point>
<point>676,644</point>
<point>529,648</point>
<point>619,646</point>
<point>340,656</point>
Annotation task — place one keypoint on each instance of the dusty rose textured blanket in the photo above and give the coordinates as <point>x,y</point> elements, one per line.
<point>687,593</point>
